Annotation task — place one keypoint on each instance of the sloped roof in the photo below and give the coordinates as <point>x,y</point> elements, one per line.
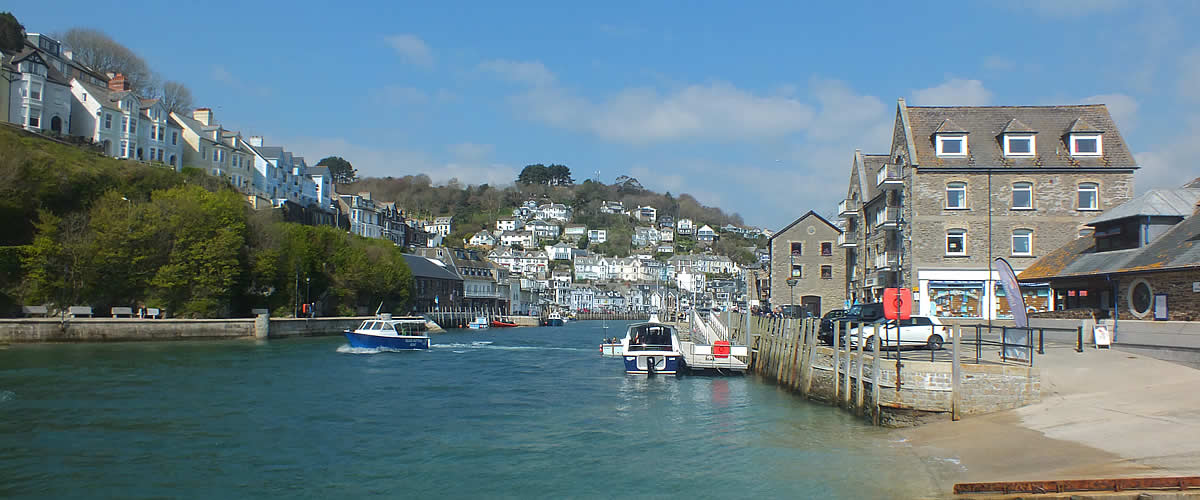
<point>1177,248</point>
<point>1016,126</point>
<point>52,73</point>
<point>986,125</point>
<point>1161,202</point>
<point>805,216</point>
<point>428,268</point>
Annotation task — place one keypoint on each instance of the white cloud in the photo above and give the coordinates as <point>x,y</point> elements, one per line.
<point>410,48</point>
<point>525,72</point>
<point>470,151</point>
<point>954,92</point>
<point>1189,75</point>
<point>845,114</point>
<point>1123,109</point>
<point>373,161</point>
<point>643,115</point>
<point>1171,163</point>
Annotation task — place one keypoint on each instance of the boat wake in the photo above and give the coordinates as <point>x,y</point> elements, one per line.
<point>346,349</point>
<point>489,345</point>
<point>6,396</point>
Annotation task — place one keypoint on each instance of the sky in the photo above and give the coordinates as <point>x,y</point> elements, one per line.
<point>755,107</point>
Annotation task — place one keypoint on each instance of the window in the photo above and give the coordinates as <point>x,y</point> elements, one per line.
<point>160,155</point>
<point>1022,196</point>
<point>124,149</point>
<point>108,120</point>
<point>956,242</point>
<point>1088,193</point>
<point>826,272</point>
<point>1140,297</point>
<point>1018,145</point>
<point>35,91</point>
<point>203,154</point>
<point>1022,242</point>
<point>1086,145</point>
<point>133,125</point>
<point>797,270</point>
<point>125,124</point>
<point>826,248</point>
<point>174,138</point>
<point>951,145</point>
<point>797,248</point>
<point>956,195</point>
<point>35,118</point>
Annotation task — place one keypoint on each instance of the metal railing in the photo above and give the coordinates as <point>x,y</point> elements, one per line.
<point>978,343</point>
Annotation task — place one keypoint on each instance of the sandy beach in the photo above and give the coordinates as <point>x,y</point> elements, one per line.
<point>1104,413</point>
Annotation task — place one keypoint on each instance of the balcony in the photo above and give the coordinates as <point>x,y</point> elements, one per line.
<point>848,208</point>
<point>888,218</point>
<point>889,177</point>
<point>887,261</point>
<point>847,239</point>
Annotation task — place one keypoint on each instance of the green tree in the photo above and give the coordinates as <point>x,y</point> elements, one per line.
<point>583,243</point>
<point>534,174</point>
<point>12,33</point>
<point>207,235</point>
<point>559,175</point>
<point>340,169</point>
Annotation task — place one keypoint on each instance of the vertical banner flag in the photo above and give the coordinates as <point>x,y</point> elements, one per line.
<point>1016,303</point>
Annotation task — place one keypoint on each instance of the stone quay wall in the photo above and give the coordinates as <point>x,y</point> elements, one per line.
<point>33,330</point>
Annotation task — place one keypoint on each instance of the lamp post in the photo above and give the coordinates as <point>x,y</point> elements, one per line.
<point>307,296</point>
<point>791,282</point>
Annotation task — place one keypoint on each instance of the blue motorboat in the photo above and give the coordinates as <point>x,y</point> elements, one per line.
<point>651,348</point>
<point>554,319</point>
<point>384,332</point>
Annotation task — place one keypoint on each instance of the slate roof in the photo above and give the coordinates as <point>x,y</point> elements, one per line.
<point>427,268</point>
<point>102,95</point>
<point>805,216</point>
<point>1177,248</point>
<point>985,125</point>
<point>52,73</point>
<point>270,151</point>
<point>1163,202</point>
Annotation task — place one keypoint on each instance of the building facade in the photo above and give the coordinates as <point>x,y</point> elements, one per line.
<point>806,251</point>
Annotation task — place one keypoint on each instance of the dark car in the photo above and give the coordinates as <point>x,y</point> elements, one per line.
<point>794,311</point>
<point>825,331</point>
<point>859,314</point>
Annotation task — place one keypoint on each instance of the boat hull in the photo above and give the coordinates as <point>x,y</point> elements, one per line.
<point>611,349</point>
<point>502,324</point>
<point>663,364</point>
<point>407,343</point>
<point>554,322</point>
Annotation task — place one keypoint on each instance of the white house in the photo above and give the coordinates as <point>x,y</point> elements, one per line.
<point>509,224</point>
<point>706,233</point>
<point>159,135</point>
<point>574,232</point>
<point>40,97</point>
<point>554,211</point>
<point>559,251</point>
<point>665,249</point>
<point>645,214</point>
<point>666,235</point>
<point>597,235</point>
<point>442,225</point>
<point>589,268</point>
<point>363,215</point>
<point>612,207</point>
<point>645,236</point>
<point>523,238</point>
<point>484,239</point>
<point>685,227</point>
<point>543,229</point>
<point>97,113</point>
<point>583,298</point>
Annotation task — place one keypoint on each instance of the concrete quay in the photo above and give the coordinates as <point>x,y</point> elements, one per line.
<point>1104,413</point>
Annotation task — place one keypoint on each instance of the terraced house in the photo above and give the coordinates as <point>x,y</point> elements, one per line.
<point>962,186</point>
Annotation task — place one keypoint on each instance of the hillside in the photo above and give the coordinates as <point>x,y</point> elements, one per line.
<point>83,229</point>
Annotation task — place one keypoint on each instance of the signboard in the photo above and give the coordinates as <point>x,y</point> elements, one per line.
<point>897,303</point>
<point>1012,291</point>
<point>1196,286</point>
<point>1101,336</point>
<point>1160,307</point>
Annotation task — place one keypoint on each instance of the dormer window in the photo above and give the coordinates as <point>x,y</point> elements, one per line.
<point>1019,144</point>
<point>952,145</point>
<point>1086,145</point>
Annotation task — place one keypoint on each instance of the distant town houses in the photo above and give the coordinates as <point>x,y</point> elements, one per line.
<point>543,229</point>
<point>554,212</point>
<point>525,239</point>
<point>645,214</point>
<point>597,235</point>
<point>706,234</point>
<point>483,239</point>
<point>644,236</point>
<point>509,224</point>
<point>612,207</point>
<point>685,227</point>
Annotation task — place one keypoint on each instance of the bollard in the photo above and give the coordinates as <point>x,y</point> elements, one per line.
<point>1079,338</point>
<point>262,326</point>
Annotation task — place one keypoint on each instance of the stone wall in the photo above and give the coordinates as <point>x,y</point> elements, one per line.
<point>810,232</point>
<point>1182,303</point>
<point>134,329</point>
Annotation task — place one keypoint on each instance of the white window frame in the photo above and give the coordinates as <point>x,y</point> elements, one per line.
<point>1099,144</point>
<point>1094,188</point>
<point>174,138</point>
<point>40,91</point>
<point>1032,144</point>
<point>1014,195</point>
<point>34,114</point>
<point>956,233</point>
<point>108,121</point>
<point>1027,234</point>
<point>964,195</point>
<point>942,138</point>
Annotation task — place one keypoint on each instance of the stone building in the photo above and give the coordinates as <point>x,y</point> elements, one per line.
<point>963,185</point>
<point>1141,261</point>
<point>804,250</point>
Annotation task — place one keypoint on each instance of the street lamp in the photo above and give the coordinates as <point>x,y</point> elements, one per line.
<point>307,296</point>
<point>792,282</point>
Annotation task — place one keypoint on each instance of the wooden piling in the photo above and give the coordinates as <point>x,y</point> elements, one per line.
<point>955,375</point>
<point>875,378</point>
<point>837,359</point>
<point>858,387</point>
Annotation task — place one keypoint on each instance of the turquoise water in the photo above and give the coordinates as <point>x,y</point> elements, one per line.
<point>512,413</point>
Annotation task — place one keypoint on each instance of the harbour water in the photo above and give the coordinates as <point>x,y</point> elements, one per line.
<point>501,413</point>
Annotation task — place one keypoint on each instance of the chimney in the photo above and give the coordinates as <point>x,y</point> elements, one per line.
<point>203,115</point>
<point>117,83</point>
<point>256,141</point>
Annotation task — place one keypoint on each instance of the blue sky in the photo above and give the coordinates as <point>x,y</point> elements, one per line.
<point>754,108</point>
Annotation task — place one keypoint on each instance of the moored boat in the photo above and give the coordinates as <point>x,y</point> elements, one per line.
<point>502,324</point>
<point>651,348</point>
<point>385,332</point>
<point>611,347</point>
<point>554,319</point>
<point>479,323</point>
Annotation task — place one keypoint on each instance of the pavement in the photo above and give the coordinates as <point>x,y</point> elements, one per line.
<point>1104,413</point>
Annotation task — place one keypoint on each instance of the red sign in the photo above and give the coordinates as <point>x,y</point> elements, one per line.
<point>1070,293</point>
<point>897,303</point>
<point>1083,293</point>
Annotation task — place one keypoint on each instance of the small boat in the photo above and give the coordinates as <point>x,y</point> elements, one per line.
<point>651,348</point>
<point>611,347</point>
<point>388,333</point>
<point>479,323</point>
<point>502,324</point>
<point>554,319</point>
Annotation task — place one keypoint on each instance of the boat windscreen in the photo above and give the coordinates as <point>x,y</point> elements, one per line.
<point>650,337</point>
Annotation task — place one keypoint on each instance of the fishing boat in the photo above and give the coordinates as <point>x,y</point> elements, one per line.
<point>554,319</point>
<point>651,348</point>
<point>502,324</point>
<point>479,323</point>
<point>388,333</point>
<point>611,347</point>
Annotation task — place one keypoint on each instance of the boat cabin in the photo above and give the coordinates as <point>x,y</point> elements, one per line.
<point>392,327</point>
<point>650,337</point>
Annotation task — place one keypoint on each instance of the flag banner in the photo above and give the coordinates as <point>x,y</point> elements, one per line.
<point>1016,304</point>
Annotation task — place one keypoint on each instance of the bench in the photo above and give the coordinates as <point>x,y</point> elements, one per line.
<point>153,313</point>
<point>80,311</point>
<point>34,311</point>
<point>118,312</point>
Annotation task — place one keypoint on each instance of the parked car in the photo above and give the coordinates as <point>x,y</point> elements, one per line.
<point>861,313</point>
<point>916,331</point>
<point>795,311</point>
<point>825,331</point>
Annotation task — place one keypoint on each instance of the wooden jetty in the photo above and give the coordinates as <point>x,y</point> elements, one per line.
<point>710,346</point>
